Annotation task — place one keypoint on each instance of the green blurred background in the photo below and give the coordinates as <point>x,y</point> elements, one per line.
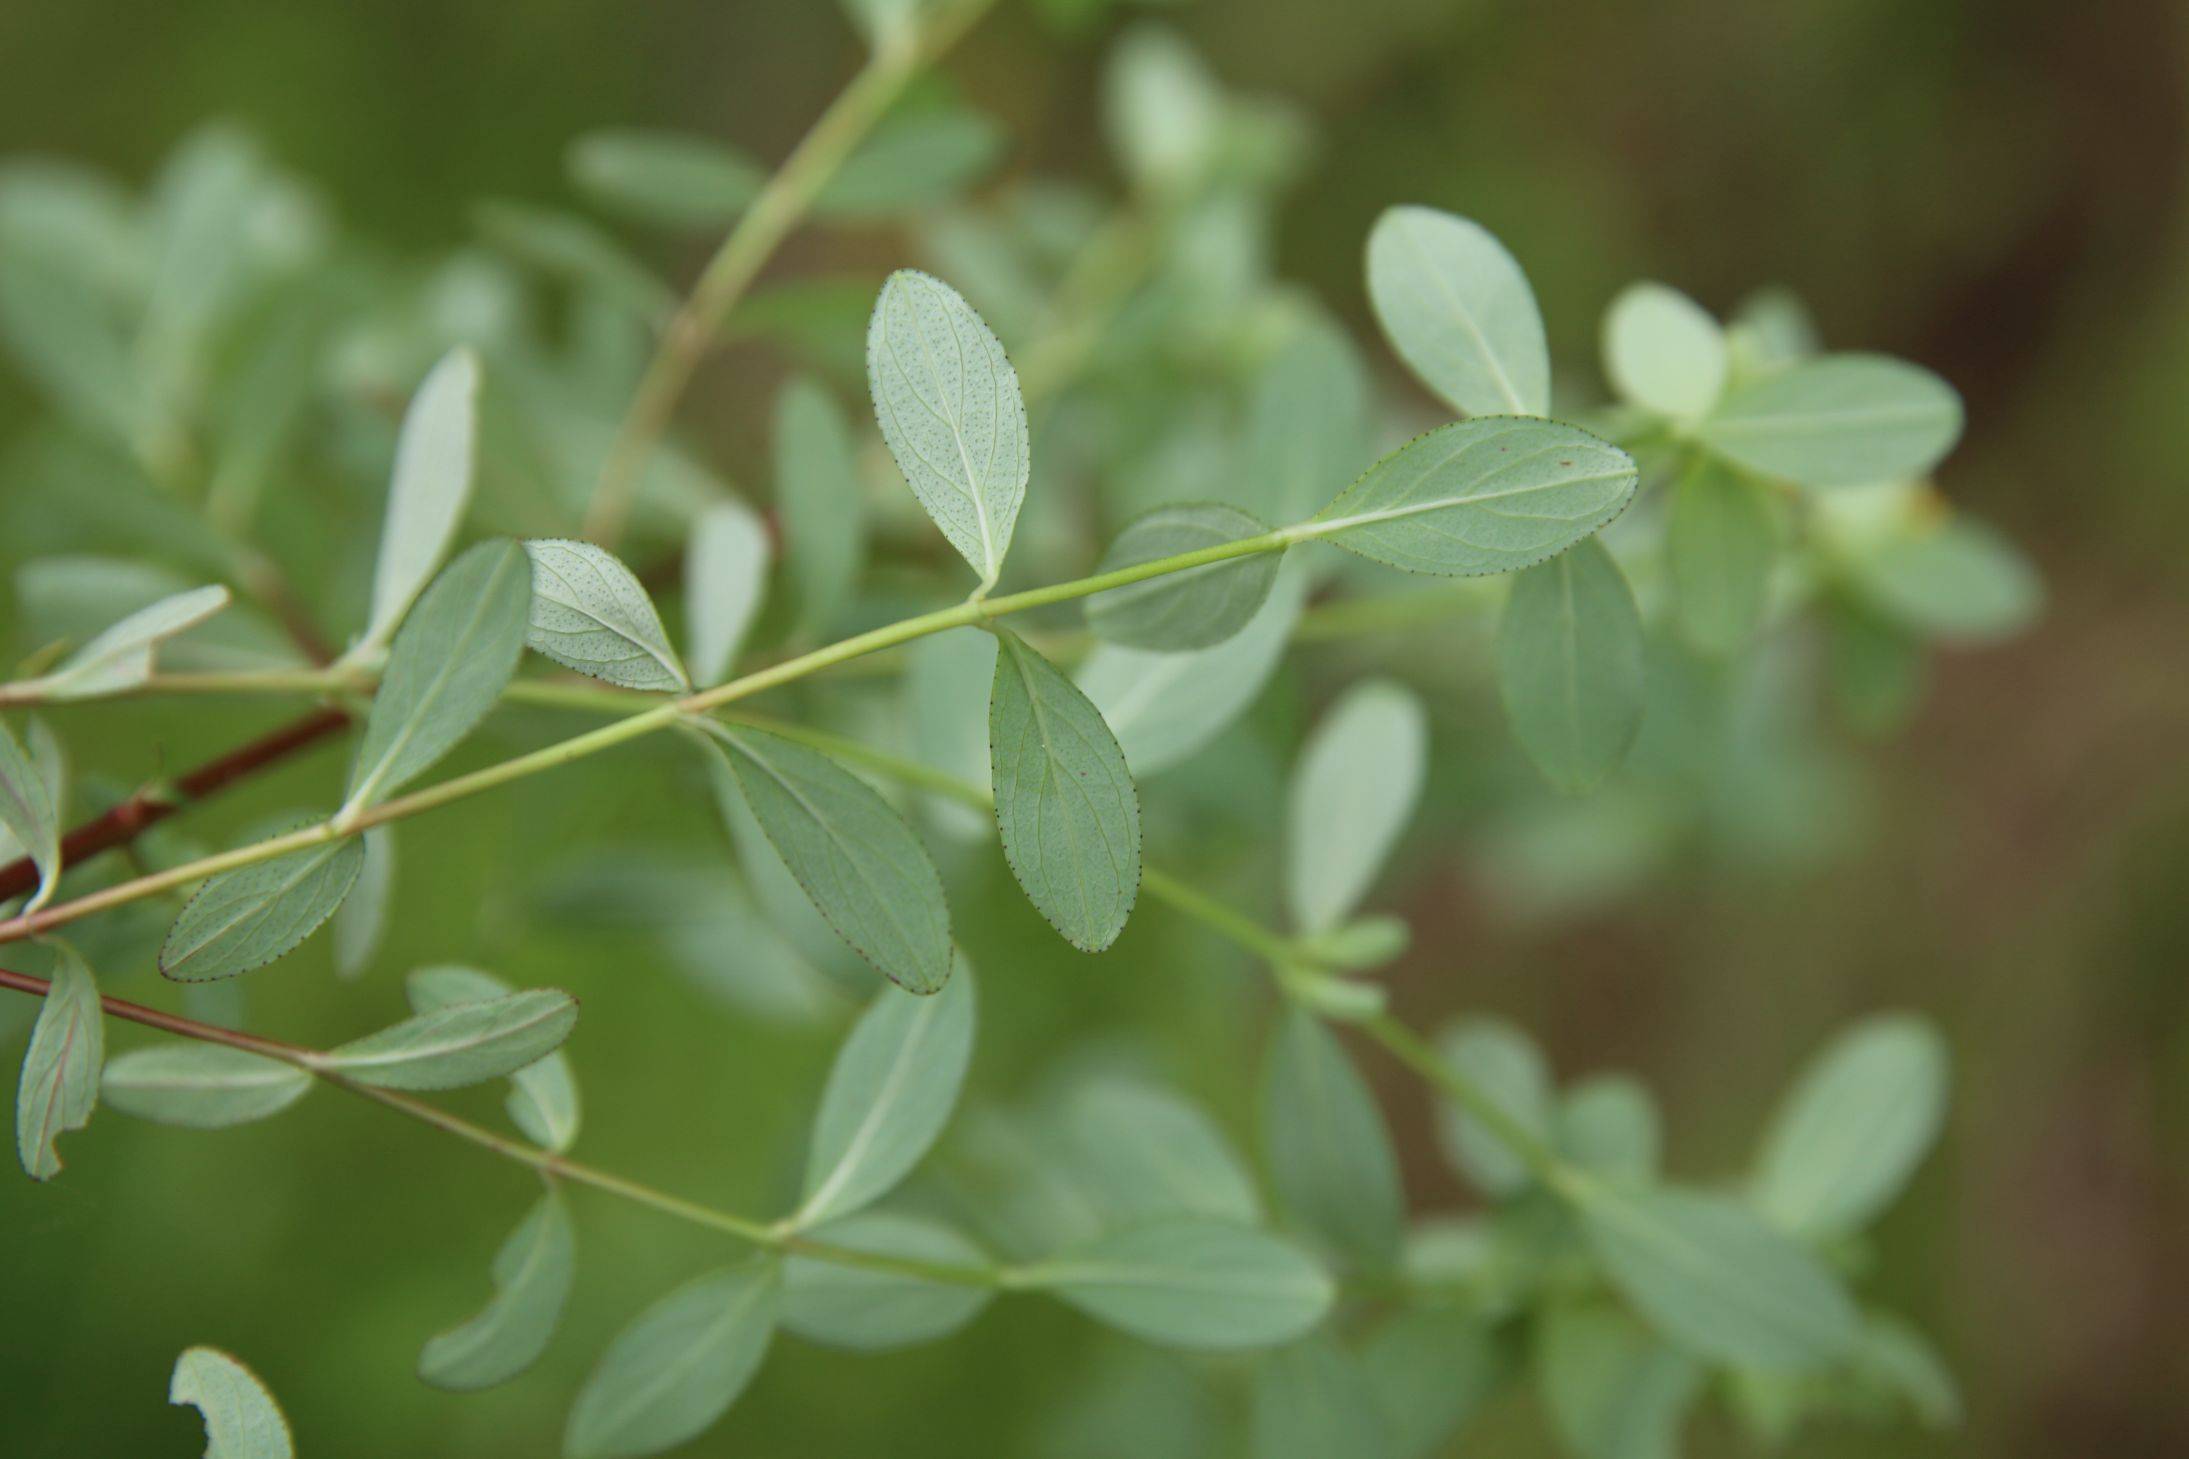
<point>1993,189</point>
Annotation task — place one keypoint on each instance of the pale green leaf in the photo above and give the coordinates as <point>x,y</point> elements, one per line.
<point>1430,1368</point>
<point>571,248</point>
<point>362,920</point>
<point>725,577</point>
<point>919,156</point>
<point>121,657</point>
<point>666,178</point>
<point>201,1086</point>
<point>857,860</point>
<point>590,613</point>
<point>1721,540</point>
<point>1481,496</point>
<point>459,1044</point>
<point>818,493</point>
<point>1613,1392</point>
<point>1162,111</point>
<point>1182,610</point>
<point>1065,801</point>
<point>1570,666</point>
<point>949,407</point>
<point>948,682</point>
<point>1353,792</point>
<point>1307,429</point>
<point>242,1421</point>
<point>532,1274</point>
<point>873,1311</point>
<point>246,918</point>
<point>1770,329</point>
<point>1313,1400</point>
<point>1838,420</point>
<point>1329,1153</point>
<point>449,665</point>
<point>543,1096</point>
<point>1858,1122</point>
<point>1459,311</point>
<point>1959,580</point>
<point>428,491</point>
<point>1141,1152</point>
<point>70,342</point>
<point>1608,1126</point>
<point>1664,352</point>
<point>60,1083</point>
<point>1191,1282</point>
<point>75,597</point>
<point>1506,1066</point>
<point>1902,1361</point>
<point>1717,1281</point>
<point>679,1365</point>
<point>29,814</point>
<point>889,1094</point>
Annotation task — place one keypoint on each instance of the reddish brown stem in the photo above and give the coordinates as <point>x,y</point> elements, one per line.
<point>174,1023</point>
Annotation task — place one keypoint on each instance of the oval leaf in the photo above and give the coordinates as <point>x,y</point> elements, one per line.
<point>1663,351</point>
<point>121,656</point>
<point>590,614</point>
<point>1839,420</point>
<point>1193,1283</point>
<point>1958,580</point>
<point>60,1083</point>
<point>1307,429</point>
<point>362,920</point>
<point>872,1311</point>
<point>28,812</point>
<point>244,919</point>
<point>543,1096</point>
<point>201,1086</point>
<point>667,178</point>
<point>1182,610</point>
<point>725,575</point>
<point>1353,793</point>
<point>1569,666</point>
<point>1612,1392</point>
<point>1855,1127</point>
<point>678,1366</point>
<point>1608,1125</point>
<point>950,408</point>
<point>1330,1155</point>
<point>1505,1065</point>
<point>818,493</point>
<point>1065,801</point>
<point>242,1421</point>
<point>1459,311</point>
<point>1143,1152</point>
<point>532,1274</point>
<point>1481,496</point>
<point>428,491</point>
<point>1312,1400</point>
<point>1720,542</point>
<point>460,1044</point>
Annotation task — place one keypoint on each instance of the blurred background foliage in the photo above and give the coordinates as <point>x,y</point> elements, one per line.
<point>1993,189</point>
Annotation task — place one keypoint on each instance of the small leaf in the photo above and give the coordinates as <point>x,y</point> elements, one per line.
<point>573,249</point>
<point>428,492</point>
<point>1163,112</point>
<point>1329,1152</point>
<point>1182,610</point>
<point>1771,329</point>
<point>1065,801</point>
<point>60,1083</point>
<point>725,576</point>
<point>448,667</point>
<point>201,1086</point>
<point>1142,1152</point>
<point>857,860</point>
<point>532,1274</point>
<point>1717,1281</point>
<point>873,1311</point>
<point>922,154</point>
<point>589,613</point>
<point>1431,1368</point>
<point>1569,666</point>
<point>1959,581</point>
<point>460,1043</point>
<point>1307,422</point>
<point>949,407</point>
<point>1901,1360</point>
<point>121,657</point>
<point>28,813</point>
<point>543,1096</point>
<point>678,1366</point>
<point>1838,420</point>
<point>948,682</point>
<point>1459,311</point>
<point>362,919</point>
<point>1608,1126</point>
<point>818,493</point>
<point>1858,1122</point>
<point>666,178</point>
<point>246,918</point>
<point>1353,793</point>
<point>1612,1392</point>
<point>1504,1063</point>
<point>1720,541</point>
<point>1191,1282</point>
<point>1312,1400</point>
<point>889,1095</point>
<point>1664,352</point>
<point>1481,496</point>
<point>242,1421</point>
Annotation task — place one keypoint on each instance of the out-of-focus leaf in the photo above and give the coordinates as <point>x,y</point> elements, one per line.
<point>1957,581</point>
<point>1838,420</point>
<point>1720,541</point>
<point>1608,1125</point>
<point>1141,1153</point>
<point>362,919</point>
<point>949,678</point>
<point>1307,422</point>
<point>202,1086</point>
<point>68,340</point>
<point>1570,665</point>
<point>679,1365</point>
<point>1312,1399</point>
<point>1855,1126</point>
<point>60,1084</point>
<point>1902,1361</point>
<point>543,1095</point>
<point>1162,111</point>
<point>1770,329</point>
<point>28,813</point>
<point>1186,610</point>
<point>725,577</point>
<point>1663,351</point>
<point>246,918</point>
<point>1329,1153</point>
<point>918,157</point>
<point>817,492</point>
<point>872,1311</point>
<point>1430,1369</point>
<point>1193,1283</point>
<point>1612,1392</point>
<point>1504,1063</point>
<point>121,657</point>
<point>1353,792</point>
<point>532,1274</point>
<point>428,491</point>
<point>1459,311</point>
<point>242,1421</point>
<point>667,178</point>
<point>589,613</point>
<point>572,249</point>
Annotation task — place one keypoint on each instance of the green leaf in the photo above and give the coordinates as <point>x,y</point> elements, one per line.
<point>572,249</point>
<point>919,156</point>
<point>1481,496</point>
<point>1717,1281</point>
<point>948,680</point>
<point>1959,580</point>
<point>1504,1063</point>
<point>543,1096</point>
<point>201,1086</point>
<point>447,669</point>
<point>1612,1392</point>
<point>362,920</point>
<point>678,1366</point>
<point>68,340</point>
<point>873,1311</point>
<point>1664,352</point>
<point>1430,1368</point>
<point>1312,1400</point>
<point>28,813</point>
<point>1307,421</point>
<point>889,1094</point>
<point>244,919</point>
<point>1608,1126</point>
<point>1143,1153</point>
<point>1353,792</point>
<point>1901,1360</point>
<point>1330,1156</point>
<point>950,408</point>
<point>725,577</point>
<point>121,657</point>
<point>1065,801</point>
<point>1838,420</point>
<point>857,860</point>
<point>1191,1282</point>
<point>665,178</point>
<point>1459,311</point>
<point>1771,328</point>
<point>1721,541</point>
<point>1569,666</point>
<point>817,491</point>
<point>60,1083</point>
<point>1858,1122</point>
<point>242,1421</point>
<point>427,493</point>
<point>1163,112</point>
<point>460,1044</point>
<point>1182,610</point>
<point>532,1274</point>
<point>589,613</point>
